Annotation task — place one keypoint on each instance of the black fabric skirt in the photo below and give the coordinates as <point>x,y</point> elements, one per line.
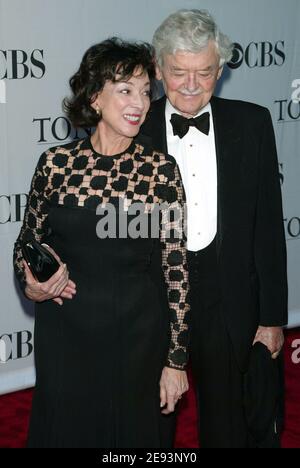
<point>99,357</point>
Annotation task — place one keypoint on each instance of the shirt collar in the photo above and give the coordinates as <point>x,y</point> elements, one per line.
<point>170,109</point>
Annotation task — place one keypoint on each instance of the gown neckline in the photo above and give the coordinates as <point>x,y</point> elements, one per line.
<point>129,149</point>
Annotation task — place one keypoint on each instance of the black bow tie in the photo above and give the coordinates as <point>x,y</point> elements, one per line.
<point>181,124</point>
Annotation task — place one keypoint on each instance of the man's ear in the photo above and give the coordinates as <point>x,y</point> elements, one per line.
<point>220,72</point>
<point>158,72</point>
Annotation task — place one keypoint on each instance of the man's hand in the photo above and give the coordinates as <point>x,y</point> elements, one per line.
<point>272,338</point>
<point>173,384</point>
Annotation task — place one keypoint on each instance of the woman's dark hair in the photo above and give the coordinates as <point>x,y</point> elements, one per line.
<point>113,60</point>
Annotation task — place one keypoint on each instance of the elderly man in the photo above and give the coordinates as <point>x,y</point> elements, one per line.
<point>236,246</point>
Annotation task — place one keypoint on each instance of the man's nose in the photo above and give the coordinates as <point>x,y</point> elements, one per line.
<point>192,82</point>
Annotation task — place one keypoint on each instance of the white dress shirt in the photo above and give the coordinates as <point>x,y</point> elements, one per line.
<point>195,154</point>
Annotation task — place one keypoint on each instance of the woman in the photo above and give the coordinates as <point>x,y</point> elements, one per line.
<point>111,356</point>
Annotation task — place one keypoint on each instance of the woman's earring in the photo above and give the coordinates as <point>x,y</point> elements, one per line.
<point>98,111</point>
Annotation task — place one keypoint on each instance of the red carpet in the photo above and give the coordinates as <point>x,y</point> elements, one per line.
<point>14,408</point>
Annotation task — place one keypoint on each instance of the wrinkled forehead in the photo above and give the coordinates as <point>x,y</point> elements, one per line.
<point>207,58</point>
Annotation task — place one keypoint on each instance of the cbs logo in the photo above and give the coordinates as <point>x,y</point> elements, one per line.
<point>258,54</point>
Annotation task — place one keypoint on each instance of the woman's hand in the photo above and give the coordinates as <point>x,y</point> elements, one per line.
<point>58,287</point>
<point>173,384</point>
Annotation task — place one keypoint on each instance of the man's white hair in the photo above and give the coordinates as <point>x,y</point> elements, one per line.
<point>190,31</point>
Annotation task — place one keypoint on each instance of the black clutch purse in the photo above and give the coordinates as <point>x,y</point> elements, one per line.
<point>41,262</point>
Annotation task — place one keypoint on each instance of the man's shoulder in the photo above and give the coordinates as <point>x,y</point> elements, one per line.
<point>233,106</point>
<point>239,108</point>
<point>157,109</point>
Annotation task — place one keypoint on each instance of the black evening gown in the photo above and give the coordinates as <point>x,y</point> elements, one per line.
<point>99,357</point>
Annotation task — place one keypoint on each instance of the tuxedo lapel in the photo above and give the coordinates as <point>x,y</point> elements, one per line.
<point>155,125</point>
<point>228,164</point>
<point>228,154</point>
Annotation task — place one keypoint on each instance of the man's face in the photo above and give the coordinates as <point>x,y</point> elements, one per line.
<point>189,79</point>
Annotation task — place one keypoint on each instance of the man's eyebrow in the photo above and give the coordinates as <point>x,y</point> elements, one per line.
<point>209,68</point>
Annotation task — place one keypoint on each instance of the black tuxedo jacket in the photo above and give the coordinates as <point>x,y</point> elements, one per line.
<point>250,237</point>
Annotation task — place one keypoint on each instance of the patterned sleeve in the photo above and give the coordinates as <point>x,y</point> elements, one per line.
<point>174,264</point>
<point>35,217</point>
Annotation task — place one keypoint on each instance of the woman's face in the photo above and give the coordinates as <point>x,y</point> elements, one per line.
<point>124,105</point>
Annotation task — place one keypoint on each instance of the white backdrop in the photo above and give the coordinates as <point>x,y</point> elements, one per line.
<point>41,44</point>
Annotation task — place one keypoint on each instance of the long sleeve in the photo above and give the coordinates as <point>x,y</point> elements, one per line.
<point>35,217</point>
<point>174,264</point>
<point>270,248</point>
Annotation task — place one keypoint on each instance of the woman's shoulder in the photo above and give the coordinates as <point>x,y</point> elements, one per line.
<point>69,148</point>
<point>60,154</point>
